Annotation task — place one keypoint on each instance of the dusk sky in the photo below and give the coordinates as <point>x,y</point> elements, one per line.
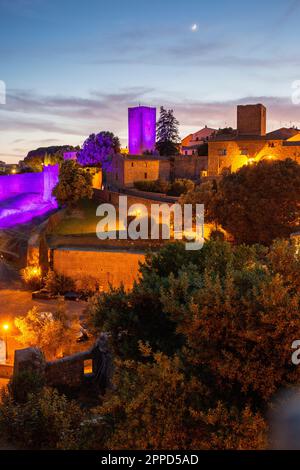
<point>73,67</point>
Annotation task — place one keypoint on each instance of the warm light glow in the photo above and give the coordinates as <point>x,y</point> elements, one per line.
<point>5,327</point>
<point>13,171</point>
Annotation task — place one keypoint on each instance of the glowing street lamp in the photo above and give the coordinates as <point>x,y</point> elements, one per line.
<point>5,328</point>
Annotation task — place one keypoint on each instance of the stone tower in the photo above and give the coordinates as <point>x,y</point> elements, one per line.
<point>251,120</point>
<point>142,129</point>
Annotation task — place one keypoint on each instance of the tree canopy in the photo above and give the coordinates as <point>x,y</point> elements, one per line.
<point>98,149</point>
<point>75,183</point>
<point>257,204</point>
<point>167,134</point>
<point>204,343</point>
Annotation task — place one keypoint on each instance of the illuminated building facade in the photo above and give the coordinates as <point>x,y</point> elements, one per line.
<point>230,150</point>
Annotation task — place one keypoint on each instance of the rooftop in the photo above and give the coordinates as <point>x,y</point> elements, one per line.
<point>283,133</point>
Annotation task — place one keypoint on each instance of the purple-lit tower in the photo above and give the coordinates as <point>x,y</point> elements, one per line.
<point>142,129</point>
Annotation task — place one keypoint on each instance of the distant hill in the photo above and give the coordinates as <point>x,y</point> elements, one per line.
<point>42,151</point>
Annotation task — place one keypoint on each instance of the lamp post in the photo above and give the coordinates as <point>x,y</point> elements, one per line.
<point>5,329</point>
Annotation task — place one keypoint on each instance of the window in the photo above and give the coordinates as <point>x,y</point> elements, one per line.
<point>244,151</point>
<point>132,164</point>
<point>223,152</point>
<point>146,176</point>
<point>88,366</point>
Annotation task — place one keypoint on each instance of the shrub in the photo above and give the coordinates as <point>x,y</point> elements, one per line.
<point>152,186</point>
<point>180,186</point>
<point>47,420</point>
<point>24,383</point>
<point>58,284</point>
<point>217,235</point>
<point>87,285</point>
<point>32,276</point>
<point>48,331</point>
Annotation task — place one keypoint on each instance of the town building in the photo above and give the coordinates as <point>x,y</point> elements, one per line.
<point>129,169</point>
<point>229,150</point>
<point>193,143</point>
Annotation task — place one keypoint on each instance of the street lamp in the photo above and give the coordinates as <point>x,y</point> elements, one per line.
<point>5,327</point>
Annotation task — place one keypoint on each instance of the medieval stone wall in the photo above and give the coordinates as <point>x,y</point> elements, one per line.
<point>107,267</point>
<point>232,155</point>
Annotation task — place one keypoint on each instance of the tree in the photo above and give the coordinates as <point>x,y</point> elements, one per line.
<point>205,193</point>
<point>260,202</point>
<point>167,135</point>
<point>46,420</point>
<point>207,334</point>
<point>98,149</point>
<point>35,159</point>
<point>51,332</point>
<point>156,406</point>
<point>257,204</point>
<point>74,184</point>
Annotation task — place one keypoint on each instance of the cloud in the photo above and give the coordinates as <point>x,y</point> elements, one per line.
<point>280,112</point>
<point>25,123</point>
<point>98,103</point>
<point>45,120</point>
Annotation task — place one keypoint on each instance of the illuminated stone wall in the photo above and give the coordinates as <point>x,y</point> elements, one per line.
<point>26,196</point>
<point>38,183</point>
<point>14,185</point>
<point>107,267</point>
<point>232,155</point>
<point>142,129</point>
<point>126,170</point>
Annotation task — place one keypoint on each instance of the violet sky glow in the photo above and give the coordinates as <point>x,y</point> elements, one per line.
<point>72,68</point>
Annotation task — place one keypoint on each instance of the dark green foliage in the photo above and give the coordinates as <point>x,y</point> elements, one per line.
<point>176,188</point>
<point>58,284</point>
<point>75,184</point>
<point>167,134</point>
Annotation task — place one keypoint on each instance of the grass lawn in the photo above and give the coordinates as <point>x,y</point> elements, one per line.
<point>79,221</point>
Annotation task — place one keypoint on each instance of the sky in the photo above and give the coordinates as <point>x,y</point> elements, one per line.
<point>73,67</point>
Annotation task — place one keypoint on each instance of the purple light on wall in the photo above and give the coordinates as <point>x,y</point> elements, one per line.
<point>26,196</point>
<point>142,129</point>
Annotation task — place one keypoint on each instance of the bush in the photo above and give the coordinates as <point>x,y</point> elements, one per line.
<point>152,186</point>
<point>217,235</point>
<point>32,276</point>
<point>24,383</point>
<point>47,420</point>
<point>87,285</point>
<point>180,186</point>
<point>58,284</point>
<point>177,188</point>
<point>51,332</point>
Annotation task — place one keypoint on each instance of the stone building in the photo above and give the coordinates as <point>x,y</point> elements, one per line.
<point>249,143</point>
<point>128,169</point>
<point>193,143</point>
